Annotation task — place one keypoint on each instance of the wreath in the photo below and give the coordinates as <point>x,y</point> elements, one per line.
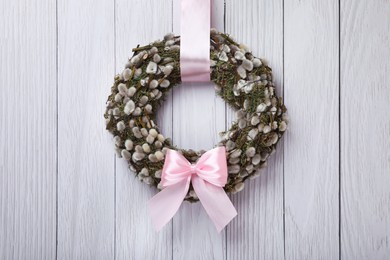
<point>241,80</point>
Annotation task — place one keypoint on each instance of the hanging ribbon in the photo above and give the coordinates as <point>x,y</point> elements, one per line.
<point>208,177</point>
<point>195,41</point>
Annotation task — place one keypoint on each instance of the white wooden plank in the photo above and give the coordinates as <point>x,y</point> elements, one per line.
<point>198,117</point>
<point>311,162</point>
<point>135,236</point>
<point>365,130</point>
<point>85,150</point>
<point>27,130</point>
<point>257,232</point>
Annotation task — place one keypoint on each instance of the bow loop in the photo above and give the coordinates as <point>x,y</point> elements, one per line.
<point>177,170</point>
<point>212,166</point>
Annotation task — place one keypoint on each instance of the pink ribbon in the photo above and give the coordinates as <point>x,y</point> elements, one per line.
<point>208,177</point>
<point>195,41</point>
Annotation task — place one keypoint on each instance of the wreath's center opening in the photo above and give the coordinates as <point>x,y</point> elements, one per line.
<point>193,116</point>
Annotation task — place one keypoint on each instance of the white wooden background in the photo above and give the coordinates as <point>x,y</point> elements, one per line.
<point>325,194</point>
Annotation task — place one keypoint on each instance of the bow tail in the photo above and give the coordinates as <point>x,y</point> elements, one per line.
<point>164,205</point>
<point>215,201</point>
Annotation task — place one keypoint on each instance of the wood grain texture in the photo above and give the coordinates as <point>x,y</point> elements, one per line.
<point>135,236</point>
<point>311,162</point>
<point>86,226</point>
<point>198,117</point>
<point>57,63</point>
<point>257,231</point>
<point>27,130</point>
<point>365,130</point>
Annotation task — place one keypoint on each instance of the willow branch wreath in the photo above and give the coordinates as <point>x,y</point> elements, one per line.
<point>241,80</point>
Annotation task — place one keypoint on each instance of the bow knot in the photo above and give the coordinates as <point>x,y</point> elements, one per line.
<point>208,177</point>
<point>193,169</point>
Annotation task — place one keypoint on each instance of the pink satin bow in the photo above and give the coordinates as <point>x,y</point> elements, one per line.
<point>208,177</point>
